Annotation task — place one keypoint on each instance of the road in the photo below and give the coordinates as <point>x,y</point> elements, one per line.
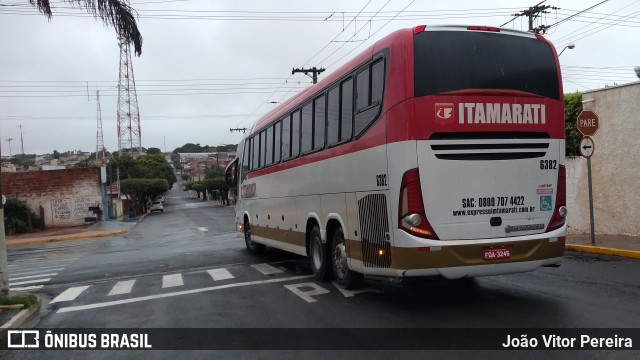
<point>187,268</point>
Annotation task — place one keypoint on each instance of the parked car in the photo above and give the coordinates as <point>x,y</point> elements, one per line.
<point>156,205</point>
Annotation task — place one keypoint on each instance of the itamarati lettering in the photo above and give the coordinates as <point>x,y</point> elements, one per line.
<point>496,113</point>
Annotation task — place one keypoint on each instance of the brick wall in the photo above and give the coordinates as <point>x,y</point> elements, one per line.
<point>65,195</point>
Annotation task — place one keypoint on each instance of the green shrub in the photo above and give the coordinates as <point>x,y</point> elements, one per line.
<point>17,213</point>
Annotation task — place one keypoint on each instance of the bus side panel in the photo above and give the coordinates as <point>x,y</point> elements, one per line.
<point>334,208</point>
<point>352,237</point>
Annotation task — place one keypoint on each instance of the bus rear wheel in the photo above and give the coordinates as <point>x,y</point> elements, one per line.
<point>345,277</point>
<point>253,247</point>
<point>320,261</point>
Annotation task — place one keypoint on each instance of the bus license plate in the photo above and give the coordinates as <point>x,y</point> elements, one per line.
<point>496,253</point>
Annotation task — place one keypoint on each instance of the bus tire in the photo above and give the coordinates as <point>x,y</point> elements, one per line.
<point>344,276</point>
<point>319,256</point>
<point>253,247</point>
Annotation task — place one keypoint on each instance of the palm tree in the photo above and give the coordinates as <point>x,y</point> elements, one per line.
<point>112,12</point>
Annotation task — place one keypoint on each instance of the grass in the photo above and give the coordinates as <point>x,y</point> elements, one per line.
<point>28,300</point>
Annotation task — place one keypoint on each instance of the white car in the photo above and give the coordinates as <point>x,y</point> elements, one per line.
<point>156,205</point>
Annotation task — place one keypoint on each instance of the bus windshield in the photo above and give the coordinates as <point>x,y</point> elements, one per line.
<point>447,61</point>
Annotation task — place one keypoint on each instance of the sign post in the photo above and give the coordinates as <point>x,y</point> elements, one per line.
<point>588,123</point>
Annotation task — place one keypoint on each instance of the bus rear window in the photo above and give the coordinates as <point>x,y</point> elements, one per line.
<point>464,60</point>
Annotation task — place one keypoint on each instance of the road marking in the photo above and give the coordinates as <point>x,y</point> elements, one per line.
<point>178,293</point>
<point>122,287</point>
<point>36,271</point>
<point>172,280</point>
<point>26,288</point>
<point>33,276</point>
<point>266,269</point>
<point>29,282</point>
<point>203,229</point>
<point>70,294</point>
<point>220,274</point>
<point>28,262</point>
<point>351,293</point>
<point>307,295</point>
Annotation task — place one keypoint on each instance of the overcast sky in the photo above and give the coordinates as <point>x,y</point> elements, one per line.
<point>210,65</point>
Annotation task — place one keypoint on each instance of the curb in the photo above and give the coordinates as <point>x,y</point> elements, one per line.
<point>80,236</point>
<point>603,251</point>
<point>21,317</point>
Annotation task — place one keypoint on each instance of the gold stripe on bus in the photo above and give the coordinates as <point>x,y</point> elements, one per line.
<point>466,255</point>
<point>281,235</point>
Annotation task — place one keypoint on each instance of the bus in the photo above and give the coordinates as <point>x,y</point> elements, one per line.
<point>438,151</point>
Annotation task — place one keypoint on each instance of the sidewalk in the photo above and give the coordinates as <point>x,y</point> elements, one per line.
<point>97,230</point>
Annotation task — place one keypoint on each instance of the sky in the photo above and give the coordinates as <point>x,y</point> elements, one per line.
<point>211,65</point>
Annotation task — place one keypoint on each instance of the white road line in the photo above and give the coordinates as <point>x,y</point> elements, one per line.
<point>32,276</point>
<point>203,229</point>
<point>122,287</point>
<point>220,274</point>
<point>36,271</point>
<point>26,288</point>
<point>267,269</point>
<point>178,293</point>
<point>29,282</point>
<point>40,263</point>
<point>70,294</point>
<point>172,280</point>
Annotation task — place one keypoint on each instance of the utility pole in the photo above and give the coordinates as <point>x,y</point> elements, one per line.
<point>21,140</point>
<point>9,140</point>
<point>314,70</point>
<point>99,137</point>
<point>532,13</point>
<point>4,274</point>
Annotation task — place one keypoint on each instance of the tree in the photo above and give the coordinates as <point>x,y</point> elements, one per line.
<point>637,70</point>
<point>113,13</point>
<point>138,190</point>
<point>153,151</point>
<point>155,166</point>
<point>572,108</point>
<point>56,154</point>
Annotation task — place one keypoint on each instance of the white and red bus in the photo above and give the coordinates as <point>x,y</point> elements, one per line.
<point>438,151</point>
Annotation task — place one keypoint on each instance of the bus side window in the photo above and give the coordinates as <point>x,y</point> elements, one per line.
<point>319,122</point>
<point>369,90</point>
<point>295,133</point>
<point>286,137</point>
<point>246,156</point>
<point>263,144</point>
<point>276,142</point>
<point>306,138</point>
<point>333,116</point>
<point>255,146</point>
<point>269,146</point>
<point>346,110</point>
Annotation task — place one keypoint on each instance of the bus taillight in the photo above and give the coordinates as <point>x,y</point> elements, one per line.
<point>560,212</point>
<point>411,213</point>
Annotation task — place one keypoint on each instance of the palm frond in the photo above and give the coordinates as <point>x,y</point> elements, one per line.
<point>113,13</point>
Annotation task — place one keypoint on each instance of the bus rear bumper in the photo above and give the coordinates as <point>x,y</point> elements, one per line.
<point>481,270</point>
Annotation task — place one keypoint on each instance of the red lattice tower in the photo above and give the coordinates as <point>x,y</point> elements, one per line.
<point>129,134</point>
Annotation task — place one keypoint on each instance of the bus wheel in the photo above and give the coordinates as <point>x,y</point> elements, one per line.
<point>320,262</point>
<point>253,247</point>
<point>345,277</point>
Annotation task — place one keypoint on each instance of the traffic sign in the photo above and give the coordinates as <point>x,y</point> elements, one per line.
<point>586,147</point>
<point>587,122</point>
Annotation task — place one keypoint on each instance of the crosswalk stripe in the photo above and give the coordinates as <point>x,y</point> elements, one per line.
<point>29,282</point>
<point>32,276</point>
<point>36,271</point>
<point>267,269</point>
<point>70,294</point>
<point>26,288</point>
<point>172,280</point>
<point>220,274</point>
<point>30,262</point>
<point>122,287</point>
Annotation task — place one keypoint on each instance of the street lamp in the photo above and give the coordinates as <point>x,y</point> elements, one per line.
<point>570,46</point>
